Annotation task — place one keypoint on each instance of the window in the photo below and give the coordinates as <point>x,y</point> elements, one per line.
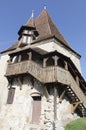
<point>61,63</point>
<point>11,93</point>
<point>36,109</point>
<point>50,62</point>
<point>24,57</point>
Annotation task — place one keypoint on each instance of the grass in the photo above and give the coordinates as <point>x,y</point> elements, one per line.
<point>79,124</point>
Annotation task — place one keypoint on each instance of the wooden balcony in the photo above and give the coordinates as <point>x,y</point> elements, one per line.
<point>45,75</point>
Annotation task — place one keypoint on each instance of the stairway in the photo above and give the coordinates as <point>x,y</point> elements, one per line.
<point>74,99</point>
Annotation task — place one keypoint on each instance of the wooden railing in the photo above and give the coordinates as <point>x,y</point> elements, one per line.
<point>45,75</point>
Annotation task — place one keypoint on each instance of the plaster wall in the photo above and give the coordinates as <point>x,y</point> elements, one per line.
<point>3,80</point>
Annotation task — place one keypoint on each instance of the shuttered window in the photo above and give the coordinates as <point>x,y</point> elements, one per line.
<point>11,93</point>
<point>36,110</point>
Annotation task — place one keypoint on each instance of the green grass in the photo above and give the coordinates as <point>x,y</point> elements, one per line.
<point>79,124</point>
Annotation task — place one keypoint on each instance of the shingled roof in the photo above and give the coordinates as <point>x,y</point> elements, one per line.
<point>30,22</point>
<point>46,29</point>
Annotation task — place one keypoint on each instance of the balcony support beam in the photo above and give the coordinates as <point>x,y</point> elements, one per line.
<point>61,96</point>
<point>46,93</point>
<point>74,106</point>
<point>20,81</point>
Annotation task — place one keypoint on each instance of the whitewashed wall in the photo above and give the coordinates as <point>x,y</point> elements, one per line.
<point>53,45</point>
<point>3,80</point>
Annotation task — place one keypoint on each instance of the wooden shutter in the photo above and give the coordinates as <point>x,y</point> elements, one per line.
<point>36,110</point>
<point>11,93</point>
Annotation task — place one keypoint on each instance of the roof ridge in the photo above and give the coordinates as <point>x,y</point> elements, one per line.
<point>48,22</point>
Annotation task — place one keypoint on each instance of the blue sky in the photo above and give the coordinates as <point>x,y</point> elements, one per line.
<point>68,15</point>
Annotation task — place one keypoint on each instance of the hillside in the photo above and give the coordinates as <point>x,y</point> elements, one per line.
<point>79,124</point>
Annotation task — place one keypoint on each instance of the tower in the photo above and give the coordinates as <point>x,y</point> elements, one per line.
<point>43,83</point>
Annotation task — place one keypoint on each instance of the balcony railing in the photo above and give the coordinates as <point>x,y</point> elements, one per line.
<point>45,75</point>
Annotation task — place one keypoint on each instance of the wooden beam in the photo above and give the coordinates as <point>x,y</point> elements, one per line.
<point>61,96</point>
<point>44,62</point>
<point>55,59</point>
<point>20,81</point>
<point>30,55</point>
<point>66,65</point>
<point>19,58</point>
<point>77,80</point>
<point>46,93</point>
<point>74,106</point>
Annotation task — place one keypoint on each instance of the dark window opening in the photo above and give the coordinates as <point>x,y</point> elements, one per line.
<point>61,63</point>
<point>50,62</point>
<point>24,57</point>
<point>11,93</point>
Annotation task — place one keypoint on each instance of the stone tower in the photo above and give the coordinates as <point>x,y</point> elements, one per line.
<point>41,86</point>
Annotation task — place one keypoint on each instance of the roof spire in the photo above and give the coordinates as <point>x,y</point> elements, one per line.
<point>45,7</point>
<point>32,14</point>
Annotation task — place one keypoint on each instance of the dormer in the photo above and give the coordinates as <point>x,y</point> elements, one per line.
<point>28,33</point>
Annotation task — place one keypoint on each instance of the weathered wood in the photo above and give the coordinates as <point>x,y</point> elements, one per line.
<point>74,106</point>
<point>20,81</point>
<point>66,65</point>
<point>19,58</point>
<point>44,62</point>
<point>61,96</point>
<point>46,93</point>
<point>30,55</point>
<point>55,59</point>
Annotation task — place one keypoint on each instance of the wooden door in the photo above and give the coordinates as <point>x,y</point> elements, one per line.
<point>36,110</point>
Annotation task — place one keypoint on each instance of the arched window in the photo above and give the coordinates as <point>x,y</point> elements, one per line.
<point>50,62</point>
<point>61,63</point>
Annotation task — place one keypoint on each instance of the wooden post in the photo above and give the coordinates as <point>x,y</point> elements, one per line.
<point>61,96</point>
<point>74,106</point>
<point>55,59</point>
<point>19,59</point>
<point>30,55</point>
<point>44,62</point>
<point>66,65</point>
<point>20,80</point>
